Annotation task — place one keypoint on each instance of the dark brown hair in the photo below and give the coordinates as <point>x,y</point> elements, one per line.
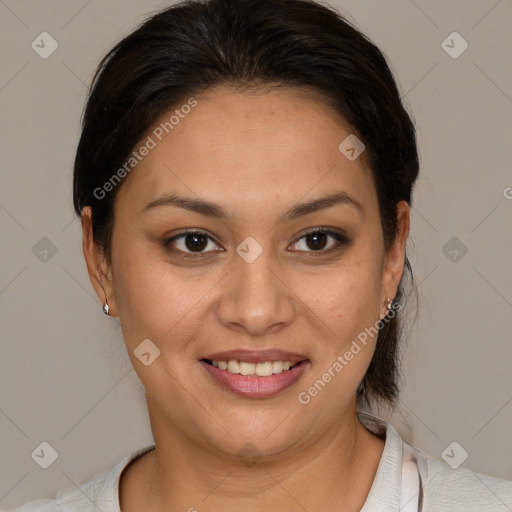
<point>196,45</point>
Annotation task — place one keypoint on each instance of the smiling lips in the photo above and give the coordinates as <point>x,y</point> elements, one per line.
<point>255,374</point>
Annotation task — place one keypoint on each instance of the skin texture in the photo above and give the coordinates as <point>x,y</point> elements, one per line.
<point>256,155</point>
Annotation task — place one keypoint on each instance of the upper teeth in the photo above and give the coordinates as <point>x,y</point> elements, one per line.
<point>260,369</point>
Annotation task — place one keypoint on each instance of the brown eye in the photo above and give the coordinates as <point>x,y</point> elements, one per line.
<point>196,242</point>
<point>191,242</point>
<point>318,241</point>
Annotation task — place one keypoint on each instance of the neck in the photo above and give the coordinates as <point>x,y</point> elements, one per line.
<point>180,474</point>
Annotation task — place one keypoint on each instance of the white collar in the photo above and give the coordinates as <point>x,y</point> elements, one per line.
<point>385,492</point>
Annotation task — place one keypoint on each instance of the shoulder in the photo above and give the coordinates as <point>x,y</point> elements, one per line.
<point>99,493</point>
<point>75,499</point>
<point>461,489</point>
<point>444,488</point>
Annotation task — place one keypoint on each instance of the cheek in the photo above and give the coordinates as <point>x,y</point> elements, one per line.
<point>348,308</point>
<point>350,297</point>
<point>153,299</point>
<point>348,305</point>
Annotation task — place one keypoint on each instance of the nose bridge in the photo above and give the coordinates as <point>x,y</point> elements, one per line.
<point>256,298</point>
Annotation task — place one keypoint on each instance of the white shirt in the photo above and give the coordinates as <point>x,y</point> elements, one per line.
<point>446,489</point>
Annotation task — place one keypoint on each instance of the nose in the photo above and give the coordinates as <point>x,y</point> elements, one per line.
<point>256,298</point>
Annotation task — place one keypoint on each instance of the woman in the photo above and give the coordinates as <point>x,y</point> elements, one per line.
<point>244,180</point>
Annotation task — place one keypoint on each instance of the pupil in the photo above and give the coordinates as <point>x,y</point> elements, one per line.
<point>199,242</point>
<point>315,237</point>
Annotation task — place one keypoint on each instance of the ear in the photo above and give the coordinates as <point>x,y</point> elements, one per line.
<point>394,259</point>
<point>100,272</point>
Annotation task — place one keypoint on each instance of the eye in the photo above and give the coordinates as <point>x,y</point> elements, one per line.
<point>317,240</point>
<point>198,243</point>
<point>192,243</point>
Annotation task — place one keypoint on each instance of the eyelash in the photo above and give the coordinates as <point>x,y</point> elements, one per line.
<point>341,240</point>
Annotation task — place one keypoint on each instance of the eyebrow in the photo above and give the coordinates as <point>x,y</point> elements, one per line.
<point>204,207</point>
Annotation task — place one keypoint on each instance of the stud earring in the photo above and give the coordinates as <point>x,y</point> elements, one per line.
<point>388,306</point>
<point>105,308</point>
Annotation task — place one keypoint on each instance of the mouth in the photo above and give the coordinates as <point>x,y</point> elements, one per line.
<point>264,369</point>
<point>255,375</point>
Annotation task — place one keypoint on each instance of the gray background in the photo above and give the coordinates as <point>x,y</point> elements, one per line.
<point>64,375</point>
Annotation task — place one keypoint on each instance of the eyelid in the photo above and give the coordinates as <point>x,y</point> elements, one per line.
<point>182,234</point>
<point>323,229</point>
<point>338,234</point>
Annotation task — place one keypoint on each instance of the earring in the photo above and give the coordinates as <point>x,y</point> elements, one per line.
<point>105,307</point>
<point>389,305</point>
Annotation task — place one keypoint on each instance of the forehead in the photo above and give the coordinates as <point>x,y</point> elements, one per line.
<point>250,147</point>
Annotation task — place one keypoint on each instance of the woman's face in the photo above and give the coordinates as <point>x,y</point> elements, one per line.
<point>253,282</point>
